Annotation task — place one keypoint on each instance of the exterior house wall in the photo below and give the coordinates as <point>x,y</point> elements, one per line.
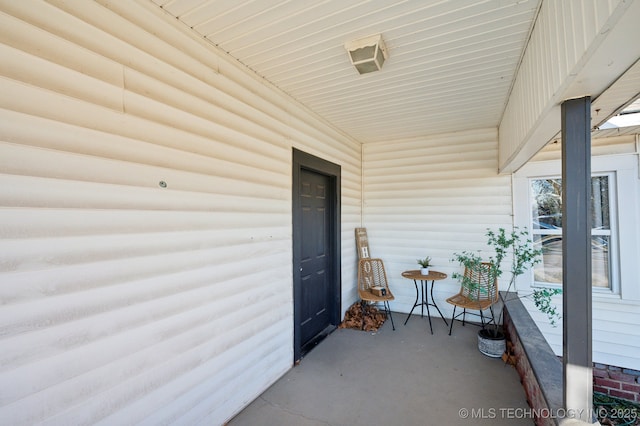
<point>437,196</point>
<point>616,381</point>
<point>432,197</point>
<point>615,335</point>
<point>122,300</point>
<point>565,37</point>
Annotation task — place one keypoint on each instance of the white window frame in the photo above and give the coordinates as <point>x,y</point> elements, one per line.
<point>612,233</point>
<point>624,188</point>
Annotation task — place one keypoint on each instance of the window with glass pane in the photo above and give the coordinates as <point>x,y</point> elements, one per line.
<point>546,227</point>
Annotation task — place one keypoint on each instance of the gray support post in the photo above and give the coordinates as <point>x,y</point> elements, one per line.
<point>576,257</point>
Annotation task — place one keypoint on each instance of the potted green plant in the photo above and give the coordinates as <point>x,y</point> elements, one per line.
<point>424,265</point>
<point>491,340</point>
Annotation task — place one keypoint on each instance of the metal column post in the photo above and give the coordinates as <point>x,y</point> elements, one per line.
<point>576,257</point>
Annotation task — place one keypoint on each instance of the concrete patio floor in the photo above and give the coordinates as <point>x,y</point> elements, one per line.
<point>402,377</point>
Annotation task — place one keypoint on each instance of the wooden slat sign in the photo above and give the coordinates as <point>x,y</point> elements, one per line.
<point>362,243</point>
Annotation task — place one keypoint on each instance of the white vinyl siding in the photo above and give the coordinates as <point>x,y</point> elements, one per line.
<point>616,312</point>
<point>123,301</point>
<point>565,36</point>
<point>432,197</point>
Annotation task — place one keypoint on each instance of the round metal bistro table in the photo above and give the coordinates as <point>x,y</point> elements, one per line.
<point>422,297</point>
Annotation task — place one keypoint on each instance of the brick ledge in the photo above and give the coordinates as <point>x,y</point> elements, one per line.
<point>539,368</point>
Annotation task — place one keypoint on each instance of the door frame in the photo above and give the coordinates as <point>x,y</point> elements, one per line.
<point>305,161</point>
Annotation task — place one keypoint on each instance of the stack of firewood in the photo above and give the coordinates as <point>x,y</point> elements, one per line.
<point>362,316</point>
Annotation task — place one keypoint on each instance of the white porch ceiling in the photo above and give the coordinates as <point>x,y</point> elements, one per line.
<point>451,63</point>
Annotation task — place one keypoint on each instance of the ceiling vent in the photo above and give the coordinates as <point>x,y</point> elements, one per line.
<point>367,54</point>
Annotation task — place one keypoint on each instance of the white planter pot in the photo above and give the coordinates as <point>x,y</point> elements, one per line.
<point>424,271</point>
<point>490,345</point>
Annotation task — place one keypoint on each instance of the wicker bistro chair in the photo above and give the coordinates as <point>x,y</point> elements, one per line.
<point>480,296</point>
<point>373,278</point>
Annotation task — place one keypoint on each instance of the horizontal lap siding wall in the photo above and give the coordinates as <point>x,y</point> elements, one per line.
<point>122,301</point>
<point>432,197</point>
<point>564,37</point>
<point>615,334</point>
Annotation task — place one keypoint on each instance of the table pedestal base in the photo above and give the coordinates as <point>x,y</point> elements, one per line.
<point>422,300</point>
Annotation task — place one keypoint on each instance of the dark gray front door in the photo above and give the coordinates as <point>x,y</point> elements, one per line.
<point>316,250</point>
<point>315,256</point>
